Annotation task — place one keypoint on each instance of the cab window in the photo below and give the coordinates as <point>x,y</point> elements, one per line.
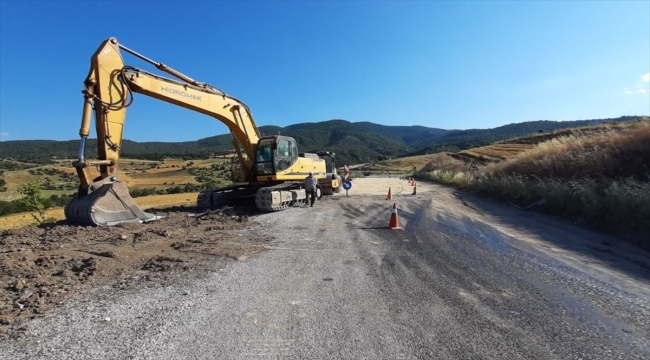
<point>283,155</point>
<point>264,159</point>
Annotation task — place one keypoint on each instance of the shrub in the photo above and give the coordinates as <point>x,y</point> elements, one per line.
<point>33,200</point>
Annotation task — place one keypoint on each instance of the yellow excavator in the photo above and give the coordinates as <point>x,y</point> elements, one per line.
<point>269,170</point>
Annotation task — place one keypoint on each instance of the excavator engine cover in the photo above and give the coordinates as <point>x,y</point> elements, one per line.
<point>109,204</point>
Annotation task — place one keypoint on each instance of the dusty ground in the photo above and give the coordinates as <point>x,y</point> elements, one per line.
<point>43,267</point>
<point>465,278</point>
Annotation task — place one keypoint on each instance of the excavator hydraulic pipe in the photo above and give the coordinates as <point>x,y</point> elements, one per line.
<point>82,148</point>
<point>161,66</point>
<point>86,115</point>
<point>99,162</point>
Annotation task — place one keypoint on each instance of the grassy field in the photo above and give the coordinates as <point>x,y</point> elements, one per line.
<point>61,179</point>
<point>137,174</point>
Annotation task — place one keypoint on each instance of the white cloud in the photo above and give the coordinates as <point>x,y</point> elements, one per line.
<point>4,136</point>
<point>641,87</point>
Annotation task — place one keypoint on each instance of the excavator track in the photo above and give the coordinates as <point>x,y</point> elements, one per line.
<point>280,197</point>
<point>238,194</point>
<point>269,198</point>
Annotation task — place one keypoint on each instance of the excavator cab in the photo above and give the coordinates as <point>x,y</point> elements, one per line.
<point>275,154</point>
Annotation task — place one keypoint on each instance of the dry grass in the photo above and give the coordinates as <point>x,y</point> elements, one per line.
<point>174,174</point>
<point>149,202</point>
<point>506,150</point>
<point>442,161</point>
<point>407,163</point>
<point>618,152</point>
<point>25,218</point>
<point>497,152</point>
<point>599,176</point>
<point>14,180</point>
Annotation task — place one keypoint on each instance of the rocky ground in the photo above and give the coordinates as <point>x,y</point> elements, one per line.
<point>43,267</point>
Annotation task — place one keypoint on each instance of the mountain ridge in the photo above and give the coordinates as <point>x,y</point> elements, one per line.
<point>354,142</point>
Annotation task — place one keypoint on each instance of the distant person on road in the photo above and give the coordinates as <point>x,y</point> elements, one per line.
<point>311,184</point>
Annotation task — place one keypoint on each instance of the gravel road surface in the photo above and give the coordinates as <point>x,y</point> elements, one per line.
<point>464,279</point>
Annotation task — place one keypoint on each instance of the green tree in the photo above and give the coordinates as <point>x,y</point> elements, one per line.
<point>33,200</point>
<point>3,182</point>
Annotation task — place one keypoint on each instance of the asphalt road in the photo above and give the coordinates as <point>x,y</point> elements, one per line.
<point>464,279</point>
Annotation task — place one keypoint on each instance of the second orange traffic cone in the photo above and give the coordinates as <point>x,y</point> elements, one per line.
<point>389,197</point>
<point>394,220</point>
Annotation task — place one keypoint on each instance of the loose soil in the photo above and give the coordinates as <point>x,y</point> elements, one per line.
<point>43,267</point>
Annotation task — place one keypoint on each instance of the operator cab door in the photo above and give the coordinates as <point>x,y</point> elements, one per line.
<point>275,154</point>
<point>286,154</point>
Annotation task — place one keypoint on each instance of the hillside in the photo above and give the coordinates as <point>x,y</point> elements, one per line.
<point>358,142</point>
<point>597,175</point>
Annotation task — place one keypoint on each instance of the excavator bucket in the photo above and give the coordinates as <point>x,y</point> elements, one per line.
<point>110,204</point>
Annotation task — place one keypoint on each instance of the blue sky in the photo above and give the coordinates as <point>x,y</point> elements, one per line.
<point>443,64</point>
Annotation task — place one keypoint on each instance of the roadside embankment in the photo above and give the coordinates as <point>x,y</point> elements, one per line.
<point>598,180</point>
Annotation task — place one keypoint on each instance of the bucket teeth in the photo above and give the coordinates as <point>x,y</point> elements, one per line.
<point>109,205</point>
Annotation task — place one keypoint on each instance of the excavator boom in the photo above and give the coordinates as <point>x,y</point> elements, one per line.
<point>109,89</point>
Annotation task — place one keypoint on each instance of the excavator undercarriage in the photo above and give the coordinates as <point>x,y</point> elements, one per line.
<point>264,198</point>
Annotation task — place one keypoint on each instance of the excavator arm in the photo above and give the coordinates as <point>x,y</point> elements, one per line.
<point>273,177</point>
<point>109,88</point>
<point>108,92</point>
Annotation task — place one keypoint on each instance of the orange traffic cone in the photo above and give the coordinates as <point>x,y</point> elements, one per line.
<point>394,221</point>
<point>389,197</point>
<point>414,189</point>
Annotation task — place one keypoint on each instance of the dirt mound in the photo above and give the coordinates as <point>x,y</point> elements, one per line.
<point>41,267</point>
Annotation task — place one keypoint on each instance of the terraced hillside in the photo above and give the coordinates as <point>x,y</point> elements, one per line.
<point>598,176</point>
<point>504,150</point>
